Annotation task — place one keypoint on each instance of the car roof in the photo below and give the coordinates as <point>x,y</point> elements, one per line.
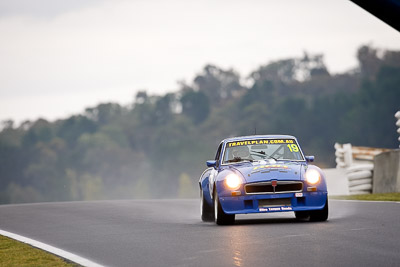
<point>251,137</point>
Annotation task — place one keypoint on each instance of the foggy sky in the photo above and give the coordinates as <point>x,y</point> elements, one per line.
<point>58,57</point>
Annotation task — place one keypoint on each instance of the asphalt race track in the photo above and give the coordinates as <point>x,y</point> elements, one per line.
<point>170,233</point>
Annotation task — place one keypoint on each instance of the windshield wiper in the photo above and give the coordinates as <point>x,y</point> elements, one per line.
<point>264,154</point>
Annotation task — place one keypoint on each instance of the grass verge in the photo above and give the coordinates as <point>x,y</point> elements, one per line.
<point>15,253</point>
<point>371,197</point>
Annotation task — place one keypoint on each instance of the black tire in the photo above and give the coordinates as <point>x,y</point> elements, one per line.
<point>319,215</point>
<point>221,218</point>
<point>302,215</point>
<point>206,211</point>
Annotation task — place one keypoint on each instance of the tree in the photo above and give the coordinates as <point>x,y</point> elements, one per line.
<point>195,105</point>
<point>104,113</point>
<point>218,84</point>
<point>369,61</point>
<point>40,131</point>
<point>73,127</point>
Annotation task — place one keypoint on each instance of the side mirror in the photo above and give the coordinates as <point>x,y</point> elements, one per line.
<point>211,163</point>
<point>310,158</point>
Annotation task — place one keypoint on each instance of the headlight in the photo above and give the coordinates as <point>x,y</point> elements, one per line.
<point>312,176</point>
<point>232,181</point>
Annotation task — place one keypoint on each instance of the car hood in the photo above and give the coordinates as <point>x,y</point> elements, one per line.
<point>266,172</point>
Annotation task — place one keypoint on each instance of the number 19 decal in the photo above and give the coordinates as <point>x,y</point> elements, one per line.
<point>293,148</point>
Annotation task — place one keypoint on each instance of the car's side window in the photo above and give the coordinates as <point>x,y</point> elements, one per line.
<point>218,153</point>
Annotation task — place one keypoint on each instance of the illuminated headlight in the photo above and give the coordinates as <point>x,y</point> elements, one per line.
<point>312,176</point>
<point>232,181</point>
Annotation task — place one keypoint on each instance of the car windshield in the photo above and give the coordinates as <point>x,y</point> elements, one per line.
<point>262,149</point>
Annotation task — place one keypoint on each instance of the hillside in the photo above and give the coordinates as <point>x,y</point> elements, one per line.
<point>158,145</point>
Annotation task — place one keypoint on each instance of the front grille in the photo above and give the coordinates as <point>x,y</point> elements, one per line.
<point>267,188</point>
<point>274,202</point>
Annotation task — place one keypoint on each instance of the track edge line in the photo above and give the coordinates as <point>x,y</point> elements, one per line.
<point>56,251</point>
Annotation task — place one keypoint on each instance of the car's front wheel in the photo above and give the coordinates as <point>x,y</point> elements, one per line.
<point>206,211</point>
<point>221,218</point>
<point>319,215</point>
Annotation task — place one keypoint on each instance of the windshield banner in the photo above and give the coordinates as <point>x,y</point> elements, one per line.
<point>261,142</point>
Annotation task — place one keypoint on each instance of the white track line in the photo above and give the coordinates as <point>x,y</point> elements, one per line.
<point>59,252</point>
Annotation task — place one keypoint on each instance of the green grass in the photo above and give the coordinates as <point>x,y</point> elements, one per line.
<point>15,253</point>
<point>371,197</point>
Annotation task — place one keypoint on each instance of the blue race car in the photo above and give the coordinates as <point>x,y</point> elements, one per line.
<point>257,174</point>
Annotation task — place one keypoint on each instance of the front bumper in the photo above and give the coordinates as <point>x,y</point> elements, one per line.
<point>274,202</point>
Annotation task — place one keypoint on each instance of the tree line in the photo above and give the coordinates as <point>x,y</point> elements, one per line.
<point>157,146</point>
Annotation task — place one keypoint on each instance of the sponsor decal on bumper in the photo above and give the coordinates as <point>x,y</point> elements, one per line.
<point>275,209</point>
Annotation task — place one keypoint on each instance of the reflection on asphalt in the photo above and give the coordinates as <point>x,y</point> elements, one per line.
<point>236,244</point>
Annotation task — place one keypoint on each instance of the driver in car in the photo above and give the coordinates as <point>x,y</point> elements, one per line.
<point>241,152</point>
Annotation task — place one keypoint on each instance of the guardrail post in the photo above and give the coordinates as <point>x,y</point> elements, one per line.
<point>343,155</point>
